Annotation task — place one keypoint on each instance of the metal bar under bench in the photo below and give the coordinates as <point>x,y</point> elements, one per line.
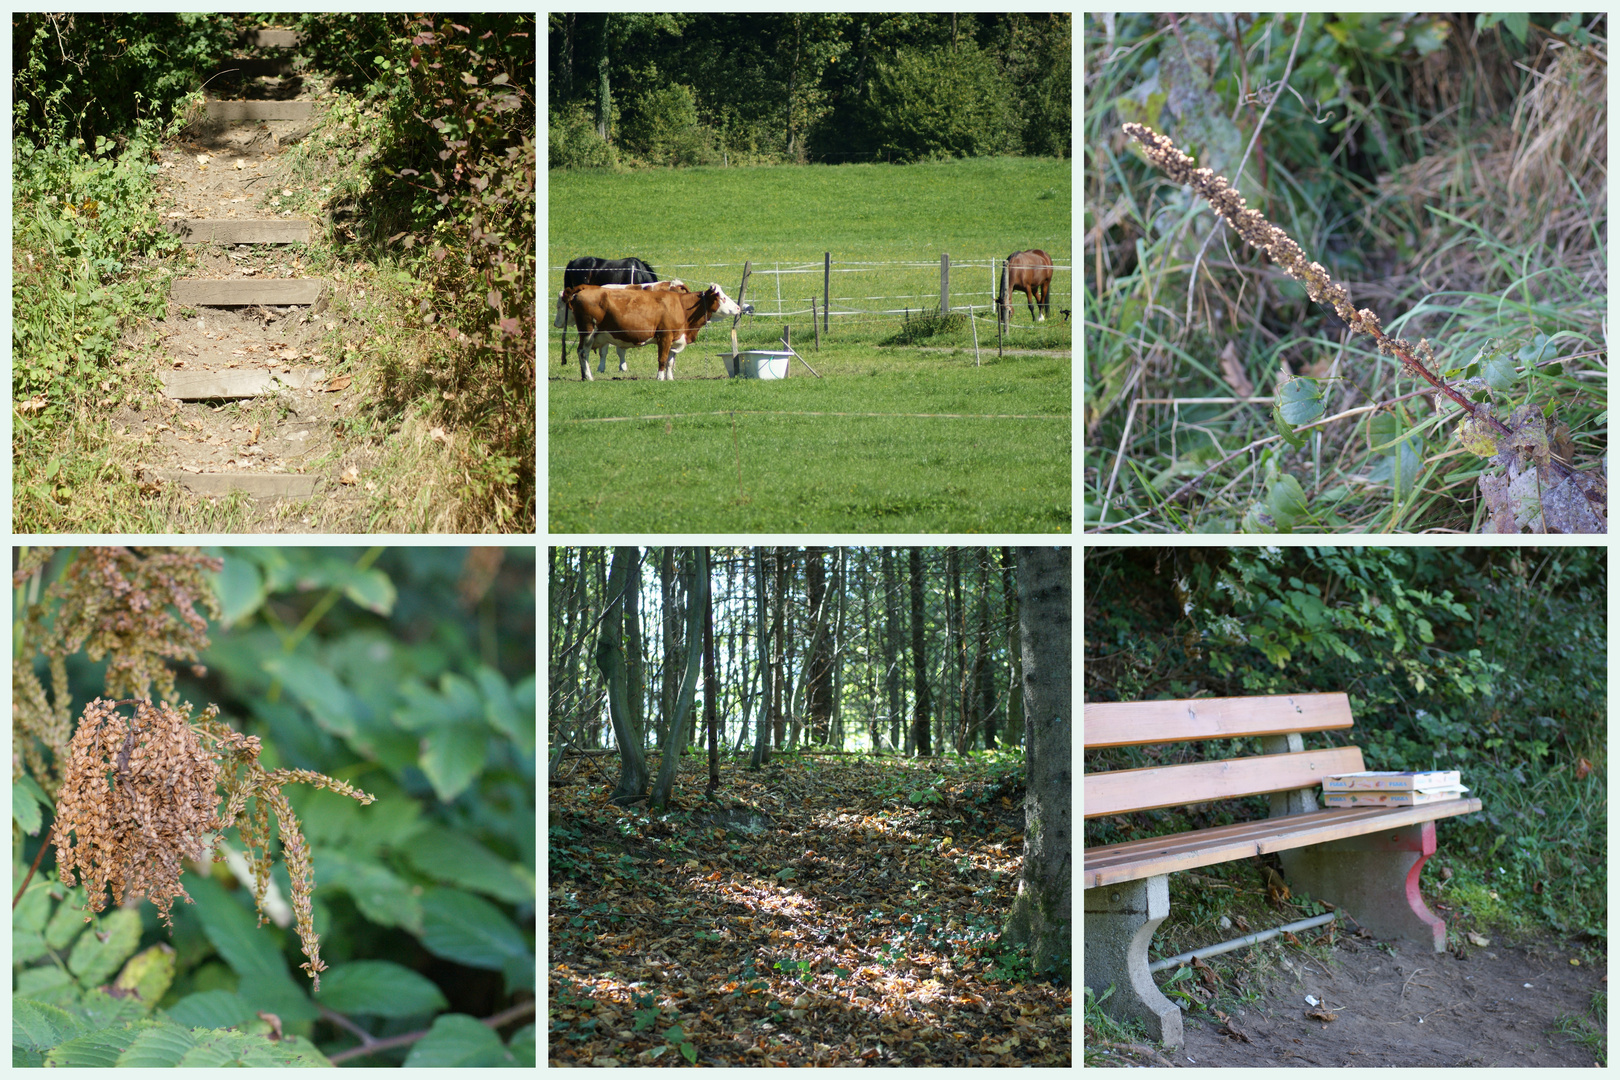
<point>1363,860</point>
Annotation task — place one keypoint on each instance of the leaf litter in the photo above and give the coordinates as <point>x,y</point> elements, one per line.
<point>829,911</point>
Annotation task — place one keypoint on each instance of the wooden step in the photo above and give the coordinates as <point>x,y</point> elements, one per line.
<point>270,39</point>
<point>254,485</point>
<point>232,384</point>
<point>261,110</point>
<point>241,231</point>
<point>235,292</point>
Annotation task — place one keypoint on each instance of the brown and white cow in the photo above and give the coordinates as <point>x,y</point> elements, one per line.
<point>631,318</point>
<point>565,316</point>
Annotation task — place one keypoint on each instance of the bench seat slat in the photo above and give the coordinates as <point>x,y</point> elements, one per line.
<point>1139,723</point>
<point>1139,859</point>
<point>1158,786</point>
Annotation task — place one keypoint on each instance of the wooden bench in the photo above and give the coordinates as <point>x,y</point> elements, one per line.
<point>1364,860</point>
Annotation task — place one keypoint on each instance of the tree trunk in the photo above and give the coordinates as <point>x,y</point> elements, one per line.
<point>670,680</point>
<point>919,659</point>
<point>1040,918</point>
<point>779,650</point>
<point>762,733</point>
<point>697,593</point>
<point>711,690</point>
<point>894,636</point>
<point>819,701</point>
<point>635,664</point>
<point>610,660</point>
<point>604,101</point>
<point>1015,653</point>
<point>982,678</point>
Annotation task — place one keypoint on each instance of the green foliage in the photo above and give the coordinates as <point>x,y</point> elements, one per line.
<point>939,104</point>
<point>572,141</point>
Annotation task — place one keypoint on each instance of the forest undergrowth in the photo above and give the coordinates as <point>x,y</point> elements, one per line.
<point>826,910</point>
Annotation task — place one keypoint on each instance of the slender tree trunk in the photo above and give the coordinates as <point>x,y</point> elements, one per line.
<point>670,681</point>
<point>779,649</point>
<point>1015,653</point>
<point>836,660</point>
<point>982,678</point>
<point>1040,919</point>
<point>697,592</point>
<point>635,664</point>
<point>819,704</point>
<point>711,690</point>
<point>894,635</point>
<point>762,734</point>
<point>919,659</point>
<point>610,660</point>
<point>604,100</point>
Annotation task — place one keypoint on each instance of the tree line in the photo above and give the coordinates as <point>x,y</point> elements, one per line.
<point>909,651</point>
<point>675,89</point>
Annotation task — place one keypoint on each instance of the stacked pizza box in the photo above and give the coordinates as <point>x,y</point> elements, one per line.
<point>1391,788</point>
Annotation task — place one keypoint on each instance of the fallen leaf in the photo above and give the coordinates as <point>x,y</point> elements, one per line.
<point>340,383</point>
<point>1583,769</point>
<point>33,404</point>
<point>1232,368</point>
<point>438,435</point>
<point>1322,1015</point>
<point>351,475</point>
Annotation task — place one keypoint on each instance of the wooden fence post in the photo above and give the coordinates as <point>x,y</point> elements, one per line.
<point>944,284</point>
<point>735,319</point>
<point>816,326</point>
<point>826,289</point>
<point>1003,310</point>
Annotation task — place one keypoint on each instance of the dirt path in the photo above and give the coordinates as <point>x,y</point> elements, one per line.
<point>252,407</point>
<point>1500,1007</point>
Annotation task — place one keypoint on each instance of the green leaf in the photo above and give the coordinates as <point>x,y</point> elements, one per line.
<point>457,1041</point>
<point>148,974</point>
<point>34,909</point>
<point>67,921</point>
<point>502,707</point>
<point>1299,401</point>
<point>27,798</point>
<point>251,951</point>
<point>521,1044</point>
<point>49,984</point>
<point>213,1009</point>
<point>228,1049</point>
<point>97,1049</point>
<point>379,988</point>
<point>446,855</point>
<point>1499,370</point>
<point>786,874</point>
<point>37,1026</point>
<point>239,587</point>
<point>1287,502</point>
<point>381,896</point>
<point>319,691</point>
<point>98,954</point>
<point>371,589</point>
<point>454,757</point>
<point>689,1052</point>
<point>461,927</point>
<point>160,1046</point>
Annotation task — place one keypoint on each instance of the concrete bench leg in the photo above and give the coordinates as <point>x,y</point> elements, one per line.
<point>1120,921</point>
<point>1375,879</point>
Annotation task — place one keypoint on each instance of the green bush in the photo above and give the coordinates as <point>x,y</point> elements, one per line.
<point>944,102</point>
<point>663,127</point>
<point>572,141</point>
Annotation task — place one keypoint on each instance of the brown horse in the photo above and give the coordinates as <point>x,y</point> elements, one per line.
<point>1028,272</point>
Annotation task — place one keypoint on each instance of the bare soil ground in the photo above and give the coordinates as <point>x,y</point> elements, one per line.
<point>1398,1006</point>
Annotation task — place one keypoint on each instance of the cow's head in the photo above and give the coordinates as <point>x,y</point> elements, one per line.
<point>716,300</point>
<point>565,315</point>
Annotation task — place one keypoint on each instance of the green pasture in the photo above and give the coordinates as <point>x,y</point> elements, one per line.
<point>702,224</point>
<point>888,441</point>
<point>925,440</point>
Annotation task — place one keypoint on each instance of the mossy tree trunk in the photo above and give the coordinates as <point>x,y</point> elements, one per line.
<point>1040,918</point>
<point>611,661</point>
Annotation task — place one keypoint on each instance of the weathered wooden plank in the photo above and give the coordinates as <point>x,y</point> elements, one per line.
<point>1207,847</point>
<point>241,231</point>
<point>233,292</point>
<point>270,39</point>
<point>1126,790</point>
<point>261,110</point>
<point>252,67</point>
<point>215,385</point>
<point>253,485</point>
<point>1138,723</point>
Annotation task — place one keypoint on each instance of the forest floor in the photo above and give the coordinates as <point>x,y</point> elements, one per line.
<point>826,910</point>
<point>1383,1004</point>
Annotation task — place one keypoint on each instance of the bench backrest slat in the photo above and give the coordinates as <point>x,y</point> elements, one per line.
<point>1127,790</point>
<point>1138,723</point>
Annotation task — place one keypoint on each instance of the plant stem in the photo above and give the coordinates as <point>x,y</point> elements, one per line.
<point>369,1045</point>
